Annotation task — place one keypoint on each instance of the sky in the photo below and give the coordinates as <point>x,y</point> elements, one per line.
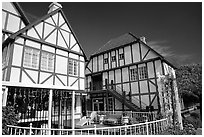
<point>172,29</point>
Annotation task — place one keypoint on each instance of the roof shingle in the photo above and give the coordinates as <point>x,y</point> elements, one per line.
<point>116,42</point>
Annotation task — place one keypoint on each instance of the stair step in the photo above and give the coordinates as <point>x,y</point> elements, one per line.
<point>122,99</point>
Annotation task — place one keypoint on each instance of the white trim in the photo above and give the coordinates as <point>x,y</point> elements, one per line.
<point>17,84</point>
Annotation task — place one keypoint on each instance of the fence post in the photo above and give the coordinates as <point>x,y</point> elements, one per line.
<point>50,112</point>
<point>95,129</point>
<point>30,129</point>
<point>4,95</point>
<point>147,128</point>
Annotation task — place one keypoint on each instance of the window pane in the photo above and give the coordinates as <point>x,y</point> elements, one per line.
<point>142,72</point>
<point>47,61</point>
<point>35,57</point>
<point>51,62</point>
<point>75,68</point>
<point>27,57</point>
<point>4,57</point>
<point>44,61</point>
<point>70,66</point>
<point>133,74</point>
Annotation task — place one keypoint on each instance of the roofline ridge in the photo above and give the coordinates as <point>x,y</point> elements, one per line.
<point>22,12</point>
<point>14,35</point>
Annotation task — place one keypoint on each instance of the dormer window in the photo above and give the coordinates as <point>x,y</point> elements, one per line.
<point>121,56</point>
<point>113,58</point>
<point>106,61</point>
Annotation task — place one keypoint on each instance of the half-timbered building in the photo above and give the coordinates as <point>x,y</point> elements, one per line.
<point>123,75</point>
<point>42,67</point>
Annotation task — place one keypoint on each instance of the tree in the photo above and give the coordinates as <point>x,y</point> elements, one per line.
<point>189,80</point>
<point>9,117</point>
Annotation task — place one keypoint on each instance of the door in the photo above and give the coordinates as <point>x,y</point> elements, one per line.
<point>110,104</point>
<point>98,104</point>
<point>97,82</point>
<point>83,105</point>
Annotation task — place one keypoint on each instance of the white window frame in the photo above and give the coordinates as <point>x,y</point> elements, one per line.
<point>31,58</point>
<point>4,57</point>
<point>73,67</point>
<point>47,61</point>
<point>105,60</point>
<point>142,72</point>
<point>133,74</point>
<point>113,58</point>
<point>121,56</point>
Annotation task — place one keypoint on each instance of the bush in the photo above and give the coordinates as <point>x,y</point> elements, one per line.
<point>9,117</point>
<point>188,129</point>
<point>194,120</point>
<point>195,115</point>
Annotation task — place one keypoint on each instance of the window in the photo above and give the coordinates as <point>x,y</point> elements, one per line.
<point>133,74</point>
<point>70,67</point>
<point>113,58</point>
<point>142,72</point>
<point>106,61</point>
<point>47,61</point>
<point>73,66</point>
<point>4,57</point>
<point>31,58</point>
<point>121,56</point>
<point>110,104</point>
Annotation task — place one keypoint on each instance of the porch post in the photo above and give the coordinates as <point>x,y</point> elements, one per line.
<point>50,111</point>
<point>4,95</point>
<point>106,101</point>
<point>72,113</point>
<point>123,105</point>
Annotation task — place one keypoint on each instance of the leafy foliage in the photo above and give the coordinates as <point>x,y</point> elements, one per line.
<point>9,117</point>
<point>188,129</point>
<point>189,80</point>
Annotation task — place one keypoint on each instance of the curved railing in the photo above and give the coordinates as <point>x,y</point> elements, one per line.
<point>139,116</point>
<point>147,128</point>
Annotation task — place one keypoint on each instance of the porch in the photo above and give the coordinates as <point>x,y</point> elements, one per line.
<point>44,107</point>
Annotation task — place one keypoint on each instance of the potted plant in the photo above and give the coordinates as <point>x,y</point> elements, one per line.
<point>125,118</point>
<point>101,117</point>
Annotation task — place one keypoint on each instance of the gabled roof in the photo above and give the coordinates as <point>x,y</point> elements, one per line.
<point>123,40</point>
<point>13,36</point>
<point>116,42</point>
<point>22,13</point>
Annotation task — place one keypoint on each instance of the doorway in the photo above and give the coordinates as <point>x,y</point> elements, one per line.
<point>97,82</point>
<point>98,104</point>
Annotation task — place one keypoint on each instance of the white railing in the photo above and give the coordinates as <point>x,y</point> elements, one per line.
<point>142,116</point>
<point>139,116</point>
<point>147,128</point>
<point>109,112</point>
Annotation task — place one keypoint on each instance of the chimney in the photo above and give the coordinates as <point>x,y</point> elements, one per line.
<point>143,39</point>
<point>53,6</point>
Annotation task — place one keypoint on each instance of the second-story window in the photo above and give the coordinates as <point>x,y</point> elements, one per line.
<point>31,58</point>
<point>142,72</point>
<point>121,56</point>
<point>47,61</point>
<point>133,74</point>
<point>113,58</point>
<point>4,57</point>
<point>73,67</point>
<point>106,61</point>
